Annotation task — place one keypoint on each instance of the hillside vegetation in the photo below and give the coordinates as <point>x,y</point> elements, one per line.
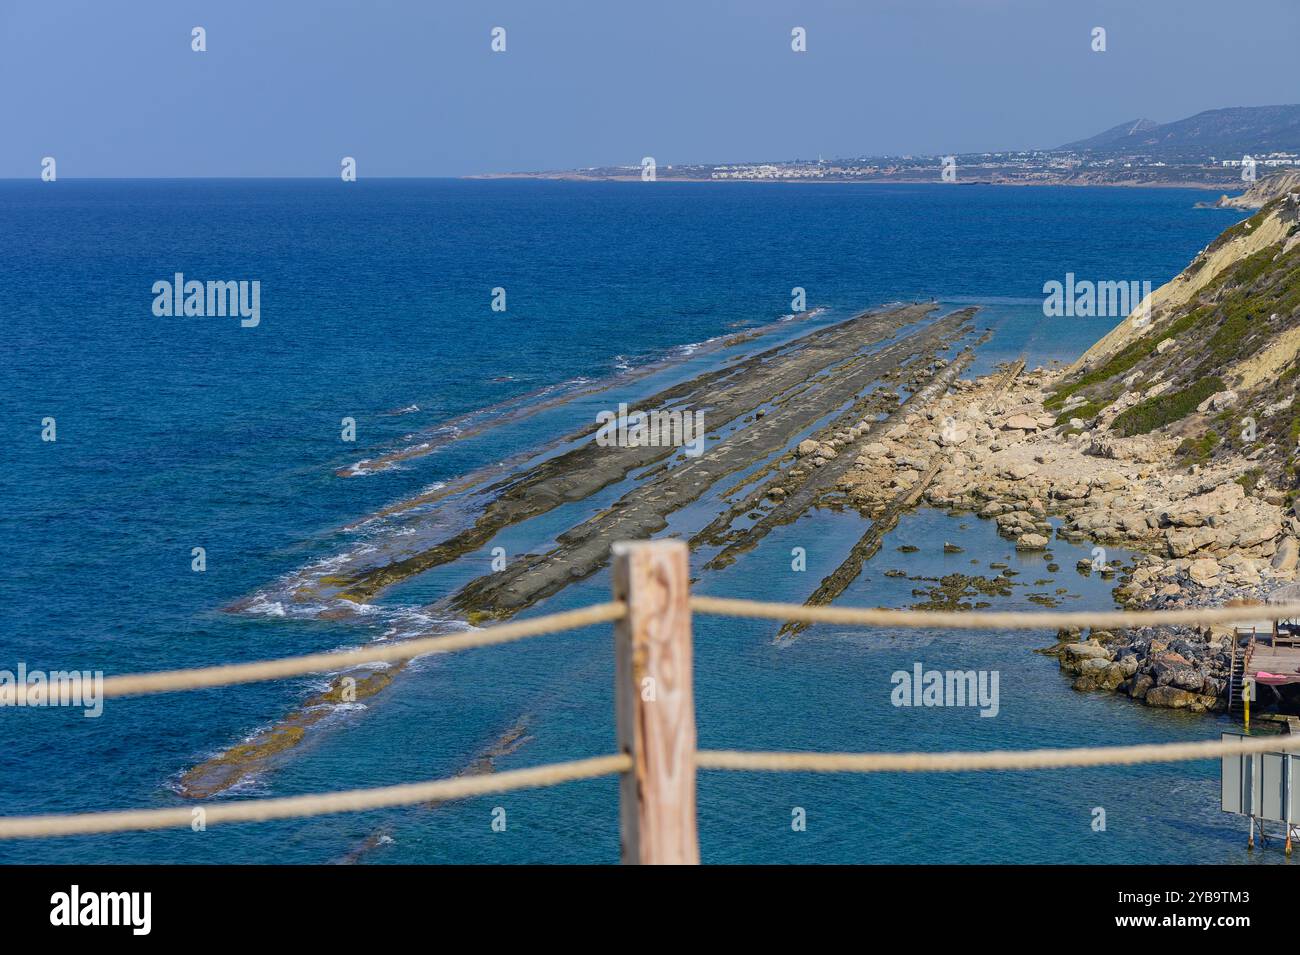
<point>1217,364</point>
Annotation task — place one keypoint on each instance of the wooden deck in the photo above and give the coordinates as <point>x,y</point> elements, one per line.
<point>1282,659</point>
<point>1250,658</point>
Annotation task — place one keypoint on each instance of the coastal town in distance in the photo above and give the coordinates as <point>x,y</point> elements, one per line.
<point>1205,150</point>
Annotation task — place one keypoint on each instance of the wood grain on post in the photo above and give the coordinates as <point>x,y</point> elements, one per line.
<point>655,703</point>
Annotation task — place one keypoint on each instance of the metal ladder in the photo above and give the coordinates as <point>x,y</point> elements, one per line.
<point>1237,667</point>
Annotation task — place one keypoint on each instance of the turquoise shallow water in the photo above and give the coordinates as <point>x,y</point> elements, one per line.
<point>175,433</point>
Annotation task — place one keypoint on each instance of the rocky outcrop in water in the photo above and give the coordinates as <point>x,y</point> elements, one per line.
<point>1202,538</point>
<point>1262,192</point>
<point>1175,671</point>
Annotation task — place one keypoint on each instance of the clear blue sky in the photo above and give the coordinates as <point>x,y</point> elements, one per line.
<point>411,88</point>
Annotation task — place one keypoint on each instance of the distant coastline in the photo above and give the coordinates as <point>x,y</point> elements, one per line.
<point>1222,149</point>
<point>1219,185</point>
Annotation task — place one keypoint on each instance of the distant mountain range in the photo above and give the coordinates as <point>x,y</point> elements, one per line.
<point>1223,133</point>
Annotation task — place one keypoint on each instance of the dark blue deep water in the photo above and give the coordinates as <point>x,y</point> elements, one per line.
<point>175,433</point>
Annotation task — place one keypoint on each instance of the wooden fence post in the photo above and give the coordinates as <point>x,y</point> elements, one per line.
<point>655,704</point>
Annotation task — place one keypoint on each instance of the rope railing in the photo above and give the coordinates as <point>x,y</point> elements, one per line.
<point>985,620</point>
<point>656,733</point>
<point>352,800</point>
<point>464,787</point>
<point>169,681</point>
<point>1007,760</point>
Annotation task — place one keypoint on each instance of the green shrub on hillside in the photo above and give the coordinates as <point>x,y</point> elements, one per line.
<point>1250,479</point>
<point>1165,409</point>
<point>1127,357</point>
<point>1198,450</point>
<point>1083,412</point>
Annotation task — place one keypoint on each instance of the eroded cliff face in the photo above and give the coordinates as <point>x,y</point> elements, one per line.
<point>1263,192</point>
<point>1272,226</point>
<point>1216,366</point>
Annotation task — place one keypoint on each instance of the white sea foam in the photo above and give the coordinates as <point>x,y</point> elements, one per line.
<point>329,563</point>
<point>368,467</point>
<point>804,316</point>
<point>349,707</point>
<point>269,608</point>
<point>253,784</point>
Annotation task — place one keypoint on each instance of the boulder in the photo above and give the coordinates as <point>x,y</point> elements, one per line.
<point>1247,531</point>
<point>1085,651</point>
<point>1218,401</point>
<point>1018,471</point>
<point>1171,697</point>
<point>1284,560</point>
<point>1112,676</point>
<point>1031,542</point>
<point>1173,670</point>
<point>1072,657</point>
<point>1204,702</point>
<point>1204,571</point>
<point>1099,675</point>
<point>1020,422</point>
<point>1140,686</point>
<point>1184,542</point>
<point>1109,481</point>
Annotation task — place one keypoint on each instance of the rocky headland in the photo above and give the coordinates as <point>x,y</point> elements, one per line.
<point>1174,437</point>
<point>1202,538</point>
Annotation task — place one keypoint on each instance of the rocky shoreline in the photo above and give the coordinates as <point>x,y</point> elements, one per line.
<point>1202,538</point>
<point>760,406</point>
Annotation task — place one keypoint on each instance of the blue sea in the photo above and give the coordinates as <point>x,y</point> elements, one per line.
<point>376,305</point>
